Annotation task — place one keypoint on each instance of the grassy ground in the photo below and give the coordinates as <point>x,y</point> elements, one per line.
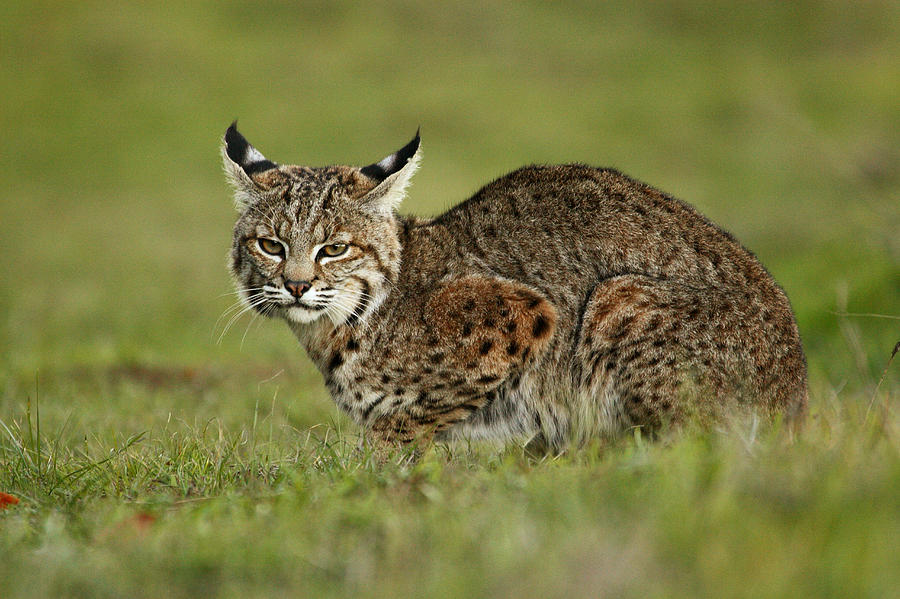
<point>152,459</point>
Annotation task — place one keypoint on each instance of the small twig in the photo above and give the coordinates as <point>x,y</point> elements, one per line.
<point>881,380</point>
<point>270,379</point>
<point>865,315</point>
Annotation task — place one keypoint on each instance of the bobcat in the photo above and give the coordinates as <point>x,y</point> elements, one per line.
<point>558,302</point>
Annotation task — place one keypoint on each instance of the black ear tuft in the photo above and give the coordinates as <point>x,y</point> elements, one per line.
<point>239,151</point>
<point>393,163</point>
<point>235,144</point>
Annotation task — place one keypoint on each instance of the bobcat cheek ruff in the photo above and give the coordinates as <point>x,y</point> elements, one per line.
<point>559,301</point>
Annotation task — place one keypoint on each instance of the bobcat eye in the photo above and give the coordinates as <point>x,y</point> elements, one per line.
<point>333,250</point>
<point>270,246</point>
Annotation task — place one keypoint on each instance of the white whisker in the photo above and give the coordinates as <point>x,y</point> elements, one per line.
<point>248,290</point>
<point>240,303</point>
<point>247,330</point>
<point>345,307</point>
<point>264,312</point>
<point>256,301</point>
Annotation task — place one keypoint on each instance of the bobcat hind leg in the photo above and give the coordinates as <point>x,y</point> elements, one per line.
<point>652,352</point>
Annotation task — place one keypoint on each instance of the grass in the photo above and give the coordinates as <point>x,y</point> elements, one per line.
<point>200,509</point>
<point>150,459</point>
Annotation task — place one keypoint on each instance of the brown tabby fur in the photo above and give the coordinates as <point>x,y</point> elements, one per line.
<point>561,302</point>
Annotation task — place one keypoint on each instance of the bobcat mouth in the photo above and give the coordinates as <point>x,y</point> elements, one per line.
<point>300,312</point>
<point>299,303</point>
<point>290,302</point>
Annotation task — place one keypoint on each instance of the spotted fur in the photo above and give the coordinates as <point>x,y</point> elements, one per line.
<point>559,301</point>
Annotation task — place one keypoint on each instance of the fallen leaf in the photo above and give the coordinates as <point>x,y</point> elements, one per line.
<point>7,500</point>
<point>142,521</point>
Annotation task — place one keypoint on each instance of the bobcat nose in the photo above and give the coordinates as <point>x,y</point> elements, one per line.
<point>297,288</point>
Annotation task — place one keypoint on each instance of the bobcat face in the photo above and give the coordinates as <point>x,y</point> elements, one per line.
<point>314,242</point>
<point>301,259</point>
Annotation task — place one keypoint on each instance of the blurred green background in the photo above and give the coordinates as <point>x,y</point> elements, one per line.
<point>779,120</point>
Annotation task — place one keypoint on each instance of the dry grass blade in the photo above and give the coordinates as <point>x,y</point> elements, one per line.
<point>881,380</point>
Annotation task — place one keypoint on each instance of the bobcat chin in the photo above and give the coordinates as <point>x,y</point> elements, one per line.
<point>562,302</point>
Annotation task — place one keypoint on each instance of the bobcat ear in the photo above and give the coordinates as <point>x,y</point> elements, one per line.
<point>392,175</point>
<point>242,163</point>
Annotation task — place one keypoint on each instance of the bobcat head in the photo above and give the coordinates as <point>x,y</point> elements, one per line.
<point>315,241</point>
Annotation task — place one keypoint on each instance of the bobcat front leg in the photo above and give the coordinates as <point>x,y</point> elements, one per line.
<point>485,331</point>
<point>421,423</point>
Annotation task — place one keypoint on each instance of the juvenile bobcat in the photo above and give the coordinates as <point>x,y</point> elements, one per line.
<point>559,302</point>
